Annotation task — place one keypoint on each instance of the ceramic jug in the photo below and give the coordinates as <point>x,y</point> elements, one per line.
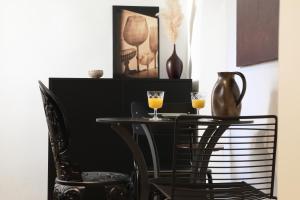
<point>226,95</point>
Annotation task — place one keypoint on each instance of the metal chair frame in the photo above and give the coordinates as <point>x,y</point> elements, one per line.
<point>245,170</point>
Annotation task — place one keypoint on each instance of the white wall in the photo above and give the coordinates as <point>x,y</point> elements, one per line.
<point>289,98</point>
<point>214,50</point>
<point>41,39</point>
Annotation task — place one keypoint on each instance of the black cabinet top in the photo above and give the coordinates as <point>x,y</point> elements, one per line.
<point>111,79</point>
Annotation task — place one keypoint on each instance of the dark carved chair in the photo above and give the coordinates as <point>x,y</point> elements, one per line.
<point>243,170</point>
<point>71,182</point>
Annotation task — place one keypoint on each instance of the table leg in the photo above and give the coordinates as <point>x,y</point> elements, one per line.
<point>199,152</point>
<point>153,149</point>
<point>209,149</point>
<point>138,157</point>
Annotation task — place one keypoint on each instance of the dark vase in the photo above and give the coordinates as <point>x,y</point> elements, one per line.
<point>226,95</point>
<point>174,66</point>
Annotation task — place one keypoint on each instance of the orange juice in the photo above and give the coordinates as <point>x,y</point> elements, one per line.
<point>155,102</point>
<point>198,103</point>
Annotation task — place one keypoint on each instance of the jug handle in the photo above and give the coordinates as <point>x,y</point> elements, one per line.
<point>244,87</point>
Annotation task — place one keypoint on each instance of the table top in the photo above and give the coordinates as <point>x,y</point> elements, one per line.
<point>130,120</point>
<point>165,120</point>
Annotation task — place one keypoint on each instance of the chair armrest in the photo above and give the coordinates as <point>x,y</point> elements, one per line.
<point>195,146</point>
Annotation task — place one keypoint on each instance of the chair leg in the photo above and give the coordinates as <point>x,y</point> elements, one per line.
<point>119,192</point>
<point>210,181</point>
<point>154,194</point>
<point>209,177</point>
<point>135,191</point>
<point>63,192</point>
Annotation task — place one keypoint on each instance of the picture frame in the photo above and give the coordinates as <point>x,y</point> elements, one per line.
<point>135,42</point>
<point>257,31</point>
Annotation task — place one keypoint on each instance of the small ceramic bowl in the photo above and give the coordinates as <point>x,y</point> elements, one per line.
<point>95,73</point>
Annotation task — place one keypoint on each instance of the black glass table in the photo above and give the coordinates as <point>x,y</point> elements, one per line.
<point>120,125</point>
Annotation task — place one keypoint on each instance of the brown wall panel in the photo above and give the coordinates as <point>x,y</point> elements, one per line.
<point>257,31</point>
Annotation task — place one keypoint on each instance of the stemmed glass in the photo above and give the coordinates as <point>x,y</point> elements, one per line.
<point>155,101</point>
<point>198,101</point>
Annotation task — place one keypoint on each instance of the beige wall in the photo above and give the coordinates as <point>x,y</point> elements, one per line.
<point>289,98</point>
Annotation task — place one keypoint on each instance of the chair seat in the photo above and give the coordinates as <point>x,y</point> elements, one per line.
<point>104,177</point>
<point>99,178</point>
<point>234,190</point>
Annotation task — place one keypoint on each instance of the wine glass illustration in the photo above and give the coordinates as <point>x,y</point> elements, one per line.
<point>135,33</point>
<point>146,59</point>
<point>153,42</point>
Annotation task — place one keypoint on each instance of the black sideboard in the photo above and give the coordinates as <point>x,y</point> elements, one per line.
<point>95,147</point>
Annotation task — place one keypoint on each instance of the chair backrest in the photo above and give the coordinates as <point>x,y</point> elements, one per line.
<point>139,109</point>
<point>180,107</point>
<point>58,135</point>
<point>163,135</point>
<point>244,169</point>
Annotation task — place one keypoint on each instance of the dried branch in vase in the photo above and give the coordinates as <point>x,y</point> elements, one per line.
<point>172,17</point>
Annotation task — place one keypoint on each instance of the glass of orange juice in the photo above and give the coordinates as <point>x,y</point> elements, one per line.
<point>155,101</point>
<point>198,101</point>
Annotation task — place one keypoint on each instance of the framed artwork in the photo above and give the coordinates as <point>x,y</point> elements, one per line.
<point>257,31</point>
<point>135,42</point>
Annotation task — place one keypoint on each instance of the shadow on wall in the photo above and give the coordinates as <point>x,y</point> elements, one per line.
<point>273,108</point>
<point>273,105</point>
